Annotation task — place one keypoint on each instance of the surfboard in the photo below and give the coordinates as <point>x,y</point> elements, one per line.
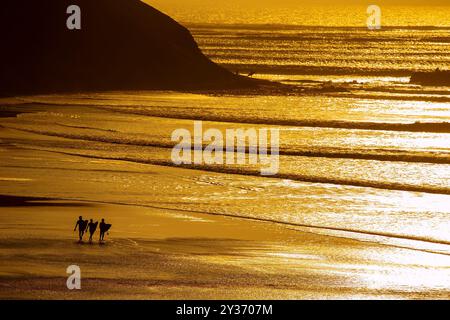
<point>85,225</point>
<point>106,227</point>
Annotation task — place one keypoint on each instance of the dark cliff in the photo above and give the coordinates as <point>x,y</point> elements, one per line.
<point>122,45</point>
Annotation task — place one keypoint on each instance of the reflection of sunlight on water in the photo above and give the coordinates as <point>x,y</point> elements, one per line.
<point>408,279</point>
<point>307,13</point>
<point>408,110</point>
<point>411,201</point>
<point>383,268</point>
<point>334,78</point>
<point>293,256</point>
<point>432,206</point>
<point>388,267</point>
<point>405,257</point>
<point>432,203</point>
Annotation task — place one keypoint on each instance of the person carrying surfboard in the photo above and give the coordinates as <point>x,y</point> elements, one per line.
<point>92,226</point>
<point>81,224</point>
<point>104,227</point>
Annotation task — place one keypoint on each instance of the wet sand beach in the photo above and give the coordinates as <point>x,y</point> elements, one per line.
<point>156,253</point>
<point>191,257</point>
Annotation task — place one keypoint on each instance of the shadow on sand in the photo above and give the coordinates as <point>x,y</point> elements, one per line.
<point>18,201</point>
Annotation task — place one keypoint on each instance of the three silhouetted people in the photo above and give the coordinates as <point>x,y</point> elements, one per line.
<point>85,225</point>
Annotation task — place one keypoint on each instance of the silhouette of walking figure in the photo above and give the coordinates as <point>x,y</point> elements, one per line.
<point>104,227</point>
<point>92,226</point>
<point>81,224</point>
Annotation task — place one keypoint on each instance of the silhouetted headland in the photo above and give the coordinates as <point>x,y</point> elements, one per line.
<point>122,45</point>
<point>434,78</point>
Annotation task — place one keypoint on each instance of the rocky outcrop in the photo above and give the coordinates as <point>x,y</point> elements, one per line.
<point>435,78</point>
<point>122,45</point>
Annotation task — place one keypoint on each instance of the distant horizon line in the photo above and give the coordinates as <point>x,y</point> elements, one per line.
<point>231,24</point>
